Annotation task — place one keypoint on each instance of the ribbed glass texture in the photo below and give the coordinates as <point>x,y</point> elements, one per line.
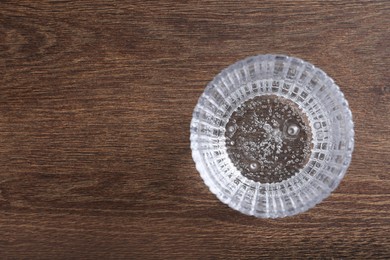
<point>240,162</point>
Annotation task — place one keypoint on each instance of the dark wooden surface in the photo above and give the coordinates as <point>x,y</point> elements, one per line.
<point>95,104</point>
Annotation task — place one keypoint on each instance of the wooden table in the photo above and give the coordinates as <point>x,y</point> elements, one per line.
<point>96,100</point>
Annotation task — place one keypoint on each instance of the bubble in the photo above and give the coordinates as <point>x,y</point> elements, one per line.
<point>231,128</point>
<point>317,125</point>
<point>293,130</point>
<point>254,166</point>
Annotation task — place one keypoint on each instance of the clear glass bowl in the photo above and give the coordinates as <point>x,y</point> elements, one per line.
<point>272,136</point>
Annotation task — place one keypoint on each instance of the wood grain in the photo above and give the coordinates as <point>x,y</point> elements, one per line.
<point>95,104</point>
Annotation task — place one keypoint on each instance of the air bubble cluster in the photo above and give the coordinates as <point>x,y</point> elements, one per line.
<point>268,139</point>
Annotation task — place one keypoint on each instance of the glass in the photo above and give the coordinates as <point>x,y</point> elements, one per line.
<point>272,136</point>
